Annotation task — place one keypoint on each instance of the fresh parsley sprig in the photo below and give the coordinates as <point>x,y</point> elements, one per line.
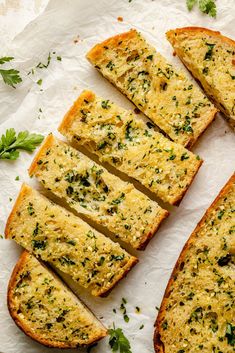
<point>118,341</point>
<point>206,6</point>
<point>10,143</point>
<point>10,76</point>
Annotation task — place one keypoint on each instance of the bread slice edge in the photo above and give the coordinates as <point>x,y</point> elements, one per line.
<point>158,344</point>
<point>18,267</point>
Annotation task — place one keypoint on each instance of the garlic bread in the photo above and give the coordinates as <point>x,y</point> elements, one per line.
<point>65,241</point>
<point>210,57</point>
<point>46,310</point>
<point>197,311</point>
<point>161,91</point>
<point>94,192</point>
<point>125,141</point>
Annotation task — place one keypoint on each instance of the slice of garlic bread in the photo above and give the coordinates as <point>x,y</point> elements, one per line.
<point>125,141</point>
<point>161,91</point>
<point>92,191</point>
<point>46,310</point>
<point>65,241</point>
<point>211,59</point>
<point>197,311</point>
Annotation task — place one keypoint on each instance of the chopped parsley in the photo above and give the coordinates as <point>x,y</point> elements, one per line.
<point>65,260</point>
<point>206,6</point>
<point>119,199</point>
<point>230,334</point>
<point>209,52</point>
<point>39,244</point>
<point>118,341</point>
<point>105,104</point>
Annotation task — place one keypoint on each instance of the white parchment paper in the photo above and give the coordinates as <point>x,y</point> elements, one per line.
<point>68,28</point>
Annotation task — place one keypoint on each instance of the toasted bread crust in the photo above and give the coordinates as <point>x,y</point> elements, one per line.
<point>158,344</point>
<point>10,302</point>
<point>90,96</point>
<point>98,51</point>
<point>133,261</point>
<point>217,35</point>
<point>99,48</point>
<point>149,236</point>
<point>69,116</point>
<point>50,141</point>
<point>46,144</point>
<point>24,190</point>
<point>178,200</point>
<point>201,30</point>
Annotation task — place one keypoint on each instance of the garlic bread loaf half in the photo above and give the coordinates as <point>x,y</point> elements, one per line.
<point>65,241</point>
<point>161,91</point>
<point>46,310</point>
<point>210,57</point>
<point>94,192</point>
<point>197,311</point>
<point>120,138</point>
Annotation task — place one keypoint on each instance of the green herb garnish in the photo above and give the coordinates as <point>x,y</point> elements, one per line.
<point>10,143</point>
<point>105,104</point>
<point>118,341</point>
<point>209,52</point>
<point>230,334</point>
<point>11,76</point>
<point>206,6</point>
<point>44,66</point>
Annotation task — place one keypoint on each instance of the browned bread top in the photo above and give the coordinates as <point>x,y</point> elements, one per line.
<point>46,310</point>
<point>210,57</point>
<point>94,192</point>
<point>67,242</point>
<point>125,141</point>
<point>161,91</point>
<point>197,311</point>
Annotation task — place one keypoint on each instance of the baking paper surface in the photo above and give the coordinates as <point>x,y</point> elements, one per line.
<point>69,29</point>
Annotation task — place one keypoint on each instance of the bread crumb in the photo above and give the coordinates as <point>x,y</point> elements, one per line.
<point>120,19</point>
<point>174,53</point>
<point>76,40</point>
<point>137,111</point>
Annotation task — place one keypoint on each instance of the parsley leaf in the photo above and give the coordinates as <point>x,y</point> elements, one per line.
<point>230,334</point>
<point>10,143</point>
<point>190,4</point>
<point>44,66</point>
<point>118,341</point>
<point>5,59</point>
<point>11,77</point>
<point>206,6</point>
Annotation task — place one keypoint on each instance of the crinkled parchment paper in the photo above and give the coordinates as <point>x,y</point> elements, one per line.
<point>69,28</point>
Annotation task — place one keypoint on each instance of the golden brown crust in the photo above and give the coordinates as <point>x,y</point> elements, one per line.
<point>10,302</point>
<point>217,35</point>
<point>158,344</point>
<point>200,30</point>
<point>46,144</point>
<point>13,313</point>
<point>69,116</point>
<point>154,229</point>
<point>178,200</point>
<point>190,144</point>
<point>90,96</point>
<point>25,189</point>
<point>171,34</point>
<point>131,263</point>
<point>98,49</point>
